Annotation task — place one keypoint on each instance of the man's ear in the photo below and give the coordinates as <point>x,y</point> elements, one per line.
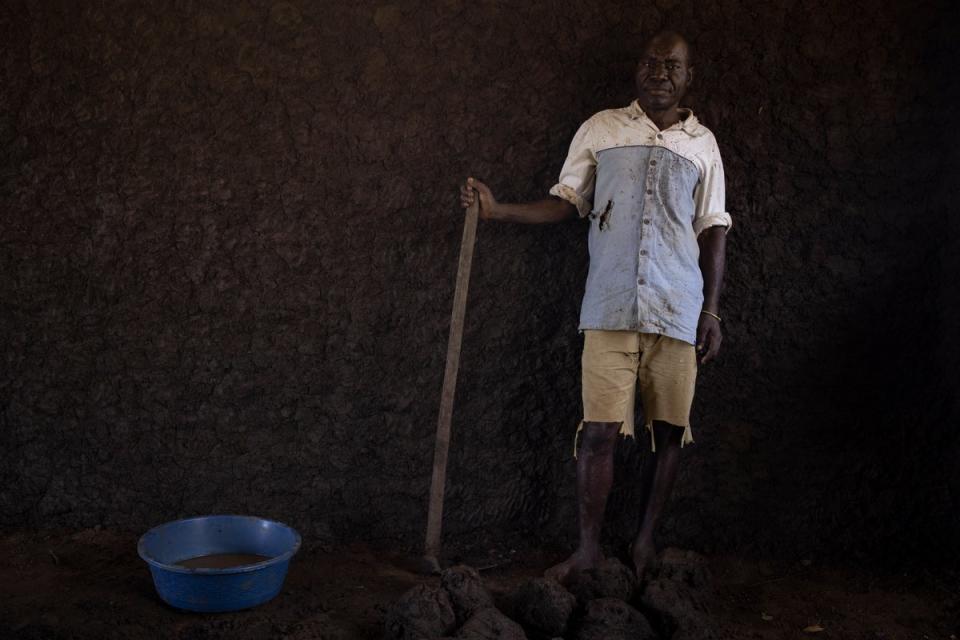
<point>689,77</point>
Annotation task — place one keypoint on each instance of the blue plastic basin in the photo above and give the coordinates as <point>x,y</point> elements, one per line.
<point>229,589</point>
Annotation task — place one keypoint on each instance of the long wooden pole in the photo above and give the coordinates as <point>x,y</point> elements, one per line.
<point>438,482</point>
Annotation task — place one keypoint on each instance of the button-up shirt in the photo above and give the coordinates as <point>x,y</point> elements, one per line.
<point>648,194</point>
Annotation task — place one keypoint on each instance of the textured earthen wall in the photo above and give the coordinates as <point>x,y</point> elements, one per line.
<point>229,235</point>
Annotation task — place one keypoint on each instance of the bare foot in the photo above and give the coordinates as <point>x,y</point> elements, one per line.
<point>579,561</point>
<point>644,554</point>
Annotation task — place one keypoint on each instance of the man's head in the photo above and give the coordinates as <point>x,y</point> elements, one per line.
<point>664,72</point>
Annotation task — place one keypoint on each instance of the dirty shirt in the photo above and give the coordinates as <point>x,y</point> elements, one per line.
<point>648,195</point>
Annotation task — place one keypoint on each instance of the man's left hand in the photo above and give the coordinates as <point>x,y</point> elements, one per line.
<point>709,338</point>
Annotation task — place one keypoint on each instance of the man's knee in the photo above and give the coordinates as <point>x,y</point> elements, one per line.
<point>599,437</point>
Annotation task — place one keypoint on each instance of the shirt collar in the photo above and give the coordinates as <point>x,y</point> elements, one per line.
<point>689,125</point>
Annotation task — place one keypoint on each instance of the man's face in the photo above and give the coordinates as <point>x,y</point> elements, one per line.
<point>663,74</point>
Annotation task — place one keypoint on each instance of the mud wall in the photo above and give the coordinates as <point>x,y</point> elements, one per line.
<point>229,237</point>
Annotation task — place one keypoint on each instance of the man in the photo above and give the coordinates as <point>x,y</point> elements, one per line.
<point>650,180</point>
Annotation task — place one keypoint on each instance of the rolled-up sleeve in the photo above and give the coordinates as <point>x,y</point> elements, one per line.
<point>578,175</point>
<point>710,193</point>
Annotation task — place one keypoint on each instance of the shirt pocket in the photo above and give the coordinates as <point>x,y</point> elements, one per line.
<point>677,186</point>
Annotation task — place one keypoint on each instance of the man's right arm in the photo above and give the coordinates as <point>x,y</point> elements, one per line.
<point>552,209</point>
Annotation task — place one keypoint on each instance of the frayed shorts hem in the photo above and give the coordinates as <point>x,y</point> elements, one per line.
<point>625,432</point>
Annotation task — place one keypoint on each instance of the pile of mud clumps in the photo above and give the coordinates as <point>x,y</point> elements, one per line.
<point>605,603</point>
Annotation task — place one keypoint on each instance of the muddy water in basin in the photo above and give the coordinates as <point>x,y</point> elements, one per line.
<point>222,561</point>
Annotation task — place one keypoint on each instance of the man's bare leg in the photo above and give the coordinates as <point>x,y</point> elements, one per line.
<point>594,480</point>
<point>658,477</point>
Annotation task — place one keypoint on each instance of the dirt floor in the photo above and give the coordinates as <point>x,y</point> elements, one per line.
<point>91,584</point>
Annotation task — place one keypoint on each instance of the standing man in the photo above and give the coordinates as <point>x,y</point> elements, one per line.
<point>650,180</point>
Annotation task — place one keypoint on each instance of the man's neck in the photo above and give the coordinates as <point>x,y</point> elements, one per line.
<point>666,118</point>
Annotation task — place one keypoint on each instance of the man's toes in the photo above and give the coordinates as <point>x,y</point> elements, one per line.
<point>559,572</point>
<point>556,572</point>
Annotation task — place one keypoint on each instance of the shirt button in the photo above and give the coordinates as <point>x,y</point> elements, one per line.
<point>641,281</point>
<point>659,136</point>
<point>643,252</point>
<point>653,163</point>
<point>649,191</point>
<point>646,221</point>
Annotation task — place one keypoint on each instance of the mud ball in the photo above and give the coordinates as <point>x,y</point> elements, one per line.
<point>612,579</point>
<point>677,611</point>
<point>613,619</point>
<point>688,567</point>
<point>421,612</point>
<point>491,624</point>
<point>467,593</point>
<point>542,606</point>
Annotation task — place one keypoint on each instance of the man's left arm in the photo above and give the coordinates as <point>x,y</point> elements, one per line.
<point>713,247</point>
<point>711,224</point>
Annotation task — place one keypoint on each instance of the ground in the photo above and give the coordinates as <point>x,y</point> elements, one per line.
<point>91,584</point>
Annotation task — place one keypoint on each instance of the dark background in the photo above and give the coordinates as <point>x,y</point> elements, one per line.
<point>229,234</point>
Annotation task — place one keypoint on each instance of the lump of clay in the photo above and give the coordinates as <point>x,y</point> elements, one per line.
<point>610,580</point>
<point>421,612</point>
<point>678,611</point>
<point>688,567</point>
<point>542,606</point>
<point>467,593</point>
<point>490,624</point>
<point>613,619</point>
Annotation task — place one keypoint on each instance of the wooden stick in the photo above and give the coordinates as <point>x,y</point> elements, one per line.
<point>438,483</point>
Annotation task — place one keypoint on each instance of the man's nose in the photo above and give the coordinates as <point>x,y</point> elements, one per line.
<point>658,71</point>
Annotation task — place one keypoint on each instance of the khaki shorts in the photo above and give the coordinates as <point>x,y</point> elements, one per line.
<point>613,363</point>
